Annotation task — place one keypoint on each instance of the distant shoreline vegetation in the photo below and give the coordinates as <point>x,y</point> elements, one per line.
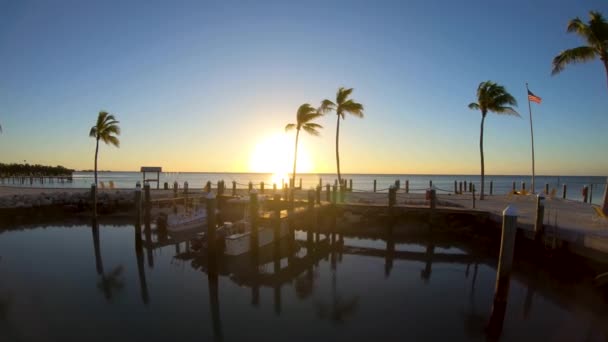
<point>34,170</point>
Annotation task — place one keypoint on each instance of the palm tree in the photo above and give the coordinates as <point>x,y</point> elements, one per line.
<point>595,33</point>
<point>106,129</point>
<point>342,106</point>
<point>494,98</point>
<point>304,117</point>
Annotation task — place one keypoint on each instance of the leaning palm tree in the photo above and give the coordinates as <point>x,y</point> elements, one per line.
<point>342,106</point>
<point>595,33</point>
<point>304,117</point>
<point>494,98</point>
<point>106,129</point>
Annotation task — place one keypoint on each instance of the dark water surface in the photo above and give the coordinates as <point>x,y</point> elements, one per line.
<point>75,283</point>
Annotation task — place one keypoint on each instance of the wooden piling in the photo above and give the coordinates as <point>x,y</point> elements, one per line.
<point>503,274</point>
<point>253,220</point>
<point>334,194</point>
<point>523,186</point>
<point>513,187</point>
<point>465,186</point>
<point>166,186</point>
<point>208,186</point>
<point>433,197</point>
<point>250,186</point>
<point>407,186</point>
<point>564,191</point>
<point>491,188</point>
<point>311,199</point>
<point>585,193</point>
<point>591,193</point>
<point>300,187</point>
<point>350,184</point>
<point>137,201</point>
<point>430,183</point>
<point>540,212</point>
<point>455,187</point>
<point>473,193</point>
<point>147,198</point>
<point>342,191</point>
<point>460,187</point>
<point>185,187</point>
<point>233,188</point>
<point>605,202</point>
<point>471,186</point>
<point>546,188</point>
<point>327,193</point>
<point>374,185</point>
<point>392,199</point>
<point>285,194</point>
<point>318,194</point>
<point>261,187</point>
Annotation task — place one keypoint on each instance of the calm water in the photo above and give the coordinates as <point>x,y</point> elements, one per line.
<point>71,282</point>
<point>418,183</point>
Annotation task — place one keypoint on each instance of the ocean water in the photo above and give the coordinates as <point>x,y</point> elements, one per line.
<point>362,182</point>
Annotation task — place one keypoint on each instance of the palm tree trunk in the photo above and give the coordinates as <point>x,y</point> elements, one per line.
<point>96,152</point>
<point>337,152</point>
<point>483,117</point>
<point>95,196</point>
<point>295,158</point>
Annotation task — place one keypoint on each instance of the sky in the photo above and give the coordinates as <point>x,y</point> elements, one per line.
<point>209,86</point>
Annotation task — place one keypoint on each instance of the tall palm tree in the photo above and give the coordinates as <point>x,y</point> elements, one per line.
<point>106,129</point>
<point>304,117</point>
<point>491,97</point>
<point>595,33</point>
<point>342,106</point>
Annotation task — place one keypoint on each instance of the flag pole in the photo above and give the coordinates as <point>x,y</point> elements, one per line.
<point>532,136</point>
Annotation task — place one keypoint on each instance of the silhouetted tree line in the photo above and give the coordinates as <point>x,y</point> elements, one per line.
<point>33,170</point>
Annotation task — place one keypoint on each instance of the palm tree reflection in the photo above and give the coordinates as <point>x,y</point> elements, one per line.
<point>111,282</point>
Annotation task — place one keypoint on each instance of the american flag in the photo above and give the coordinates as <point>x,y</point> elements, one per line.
<point>533,98</point>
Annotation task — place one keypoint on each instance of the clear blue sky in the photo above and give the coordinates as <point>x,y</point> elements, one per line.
<point>196,85</point>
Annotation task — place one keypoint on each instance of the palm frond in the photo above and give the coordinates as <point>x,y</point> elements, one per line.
<point>505,111</point>
<point>289,127</point>
<point>112,140</point>
<point>572,56</point>
<point>352,108</point>
<point>311,116</point>
<point>343,94</point>
<point>326,106</point>
<point>474,106</point>
<point>93,132</point>
<point>310,129</point>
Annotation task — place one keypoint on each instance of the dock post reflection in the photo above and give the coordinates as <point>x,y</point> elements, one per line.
<point>139,254</point>
<point>503,273</point>
<point>390,250</point>
<point>214,301</point>
<point>276,226</point>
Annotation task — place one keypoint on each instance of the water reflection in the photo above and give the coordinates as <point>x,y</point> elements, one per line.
<point>318,275</point>
<point>109,283</point>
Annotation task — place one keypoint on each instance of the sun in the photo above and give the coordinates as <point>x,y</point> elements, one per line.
<point>274,154</point>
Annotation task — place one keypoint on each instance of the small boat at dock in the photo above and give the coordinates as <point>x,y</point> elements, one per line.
<point>178,222</point>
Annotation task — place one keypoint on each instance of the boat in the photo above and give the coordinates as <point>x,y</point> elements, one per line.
<point>179,222</point>
<point>237,241</point>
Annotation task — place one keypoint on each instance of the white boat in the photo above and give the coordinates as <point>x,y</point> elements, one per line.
<point>240,241</point>
<point>186,221</point>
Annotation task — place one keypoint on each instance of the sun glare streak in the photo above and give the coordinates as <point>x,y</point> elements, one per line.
<point>274,154</point>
